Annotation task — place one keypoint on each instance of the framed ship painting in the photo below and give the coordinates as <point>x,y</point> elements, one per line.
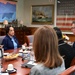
<point>42,14</point>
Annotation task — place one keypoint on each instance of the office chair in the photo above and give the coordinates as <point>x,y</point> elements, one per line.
<point>69,71</point>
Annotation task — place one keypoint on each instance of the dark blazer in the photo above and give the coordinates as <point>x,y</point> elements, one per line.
<point>67,51</point>
<point>8,44</point>
<point>74,45</point>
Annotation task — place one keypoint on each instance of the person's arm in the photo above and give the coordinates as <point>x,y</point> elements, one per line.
<point>74,45</point>
<point>4,43</point>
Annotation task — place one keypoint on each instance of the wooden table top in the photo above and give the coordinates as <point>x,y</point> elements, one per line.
<point>17,64</point>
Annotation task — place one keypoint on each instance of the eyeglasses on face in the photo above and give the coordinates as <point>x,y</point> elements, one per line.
<point>72,27</point>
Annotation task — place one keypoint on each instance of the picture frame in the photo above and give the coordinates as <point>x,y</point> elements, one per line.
<point>7,11</point>
<point>42,14</point>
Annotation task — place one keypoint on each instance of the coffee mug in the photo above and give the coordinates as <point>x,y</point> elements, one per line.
<point>10,67</point>
<point>23,47</point>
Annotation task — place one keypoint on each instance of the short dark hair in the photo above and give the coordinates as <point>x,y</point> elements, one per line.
<point>73,22</point>
<point>58,32</point>
<point>7,28</point>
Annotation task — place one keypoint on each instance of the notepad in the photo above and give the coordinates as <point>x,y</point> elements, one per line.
<point>29,64</point>
<point>5,54</point>
<point>4,73</point>
<point>32,63</point>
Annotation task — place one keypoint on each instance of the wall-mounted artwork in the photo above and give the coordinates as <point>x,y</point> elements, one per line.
<point>42,14</point>
<point>7,10</point>
<point>65,14</point>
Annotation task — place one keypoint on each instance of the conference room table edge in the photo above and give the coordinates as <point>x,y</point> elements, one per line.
<point>16,63</point>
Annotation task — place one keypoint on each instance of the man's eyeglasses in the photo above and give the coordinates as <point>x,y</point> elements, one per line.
<point>72,27</point>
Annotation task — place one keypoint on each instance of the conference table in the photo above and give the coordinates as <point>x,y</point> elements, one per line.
<point>16,63</point>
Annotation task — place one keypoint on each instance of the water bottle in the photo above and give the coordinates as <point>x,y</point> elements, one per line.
<point>0,66</point>
<point>23,56</point>
<point>1,53</point>
<point>28,56</point>
<point>1,58</point>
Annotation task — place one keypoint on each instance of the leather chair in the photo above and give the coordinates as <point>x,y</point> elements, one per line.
<point>30,38</point>
<point>1,39</point>
<point>72,62</point>
<point>69,71</point>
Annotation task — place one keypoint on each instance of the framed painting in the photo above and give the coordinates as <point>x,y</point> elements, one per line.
<point>7,10</point>
<point>42,14</point>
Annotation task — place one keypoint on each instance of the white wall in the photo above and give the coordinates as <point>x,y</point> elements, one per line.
<point>23,10</point>
<point>27,10</point>
<point>20,8</point>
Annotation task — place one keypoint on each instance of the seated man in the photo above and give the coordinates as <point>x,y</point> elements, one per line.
<point>73,30</point>
<point>65,49</point>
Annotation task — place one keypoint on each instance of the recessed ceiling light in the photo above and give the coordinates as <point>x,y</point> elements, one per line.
<point>58,2</point>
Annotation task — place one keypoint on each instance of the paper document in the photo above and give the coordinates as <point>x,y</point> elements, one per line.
<point>4,73</point>
<point>32,63</point>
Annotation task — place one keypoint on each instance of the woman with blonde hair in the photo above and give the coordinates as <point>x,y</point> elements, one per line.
<point>45,46</point>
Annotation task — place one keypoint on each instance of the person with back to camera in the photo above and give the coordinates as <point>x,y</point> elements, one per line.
<point>10,41</point>
<point>64,49</point>
<point>45,47</point>
<point>73,30</point>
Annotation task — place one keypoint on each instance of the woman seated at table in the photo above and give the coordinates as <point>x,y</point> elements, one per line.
<point>10,41</point>
<point>48,59</point>
<point>65,49</point>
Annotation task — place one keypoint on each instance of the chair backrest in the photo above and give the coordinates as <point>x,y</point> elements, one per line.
<point>30,38</point>
<point>1,39</point>
<point>72,62</point>
<point>69,71</point>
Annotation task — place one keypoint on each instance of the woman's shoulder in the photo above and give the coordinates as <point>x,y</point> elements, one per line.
<point>6,37</point>
<point>38,66</point>
<point>42,70</point>
<point>35,70</point>
<point>63,64</point>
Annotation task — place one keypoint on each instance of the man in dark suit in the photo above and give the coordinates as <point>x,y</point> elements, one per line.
<point>73,30</point>
<point>65,49</point>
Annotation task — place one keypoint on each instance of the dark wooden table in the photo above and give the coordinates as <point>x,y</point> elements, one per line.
<point>17,64</point>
